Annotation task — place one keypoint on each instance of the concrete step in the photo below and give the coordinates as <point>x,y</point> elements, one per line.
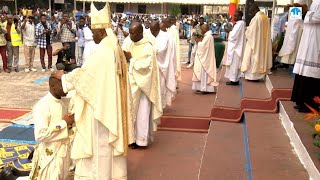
<point>224,156</point>
<point>271,154</point>
<point>190,112</point>
<point>172,156</point>
<point>227,96</point>
<point>300,132</point>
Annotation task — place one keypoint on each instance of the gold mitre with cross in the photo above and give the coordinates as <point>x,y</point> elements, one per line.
<point>100,19</point>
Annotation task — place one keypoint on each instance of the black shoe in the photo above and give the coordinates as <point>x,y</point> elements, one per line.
<point>134,146</point>
<point>258,80</point>
<point>232,83</point>
<point>16,70</point>
<point>297,107</point>
<point>304,110</point>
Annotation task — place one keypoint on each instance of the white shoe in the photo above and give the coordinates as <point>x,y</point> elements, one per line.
<point>33,69</point>
<point>51,69</point>
<point>43,70</point>
<point>26,70</point>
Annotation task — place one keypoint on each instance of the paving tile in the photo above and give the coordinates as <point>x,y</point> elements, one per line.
<point>224,156</point>
<point>271,154</point>
<point>173,156</point>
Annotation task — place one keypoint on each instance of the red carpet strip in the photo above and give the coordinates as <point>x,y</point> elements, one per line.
<point>269,105</point>
<point>8,115</point>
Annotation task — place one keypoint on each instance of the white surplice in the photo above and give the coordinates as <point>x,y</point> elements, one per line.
<point>289,49</point>
<point>204,71</point>
<point>51,159</point>
<point>166,68</point>
<point>236,45</point>
<point>308,57</point>
<point>257,58</point>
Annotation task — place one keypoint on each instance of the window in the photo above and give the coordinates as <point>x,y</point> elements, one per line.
<point>142,9</point>
<point>120,8</point>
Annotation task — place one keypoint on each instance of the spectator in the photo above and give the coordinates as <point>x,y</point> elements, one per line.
<point>44,41</point>
<point>13,38</point>
<point>66,61</point>
<point>3,43</point>
<point>81,40</point>
<point>67,30</point>
<point>29,41</point>
<point>121,32</point>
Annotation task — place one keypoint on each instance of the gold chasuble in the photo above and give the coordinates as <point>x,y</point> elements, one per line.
<point>144,78</point>
<point>257,59</point>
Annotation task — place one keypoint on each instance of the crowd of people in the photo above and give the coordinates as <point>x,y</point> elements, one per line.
<point>129,71</point>
<point>16,31</point>
<point>72,29</point>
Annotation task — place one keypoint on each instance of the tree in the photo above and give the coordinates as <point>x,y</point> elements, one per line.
<point>175,10</point>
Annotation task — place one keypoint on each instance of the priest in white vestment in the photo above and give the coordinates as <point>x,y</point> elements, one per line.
<point>236,44</point>
<point>289,49</point>
<point>51,159</point>
<point>101,106</point>
<point>204,70</point>
<point>307,66</point>
<point>89,45</point>
<point>166,66</point>
<point>145,85</point>
<point>175,33</point>
<point>257,58</point>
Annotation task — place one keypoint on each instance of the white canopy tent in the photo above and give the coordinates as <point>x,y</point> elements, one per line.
<point>195,2</point>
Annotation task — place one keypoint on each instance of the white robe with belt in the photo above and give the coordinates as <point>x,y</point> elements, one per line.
<point>166,68</point>
<point>236,45</point>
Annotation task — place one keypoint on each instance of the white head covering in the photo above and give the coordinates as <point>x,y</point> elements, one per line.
<point>100,19</point>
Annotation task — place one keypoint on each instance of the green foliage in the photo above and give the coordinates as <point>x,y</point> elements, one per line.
<point>175,10</point>
<point>316,142</point>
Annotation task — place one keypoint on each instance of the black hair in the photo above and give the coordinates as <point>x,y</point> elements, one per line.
<point>81,17</point>
<point>43,15</point>
<point>240,13</point>
<point>53,80</point>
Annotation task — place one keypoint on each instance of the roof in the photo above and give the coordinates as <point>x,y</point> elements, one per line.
<point>196,2</point>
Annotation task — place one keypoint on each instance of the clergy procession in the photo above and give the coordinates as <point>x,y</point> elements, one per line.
<point>158,98</point>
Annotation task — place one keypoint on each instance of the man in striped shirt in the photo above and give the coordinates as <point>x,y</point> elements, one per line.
<point>67,30</point>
